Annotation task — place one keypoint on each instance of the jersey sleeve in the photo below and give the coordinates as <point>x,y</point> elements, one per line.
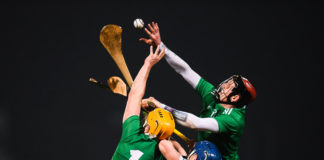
<point>204,89</point>
<point>131,127</point>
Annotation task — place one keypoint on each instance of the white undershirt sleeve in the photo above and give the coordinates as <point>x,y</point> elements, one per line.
<point>203,124</point>
<point>181,67</point>
<point>191,121</point>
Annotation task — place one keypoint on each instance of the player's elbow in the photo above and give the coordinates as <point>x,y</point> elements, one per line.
<point>188,124</point>
<point>135,93</point>
<point>192,126</point>
<point>183,70</point>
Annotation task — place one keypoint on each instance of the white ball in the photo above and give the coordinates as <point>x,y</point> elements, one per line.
<point>138,23</point>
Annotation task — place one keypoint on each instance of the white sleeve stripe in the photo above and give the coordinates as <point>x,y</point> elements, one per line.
<point>230,111</point>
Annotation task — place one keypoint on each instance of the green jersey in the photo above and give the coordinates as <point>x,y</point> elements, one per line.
<point>231,122</point>
<point>134,144</point>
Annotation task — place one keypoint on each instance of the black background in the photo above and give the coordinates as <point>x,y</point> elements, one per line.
<point>49,110</point>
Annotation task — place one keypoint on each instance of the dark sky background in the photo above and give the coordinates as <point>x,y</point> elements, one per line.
<point>50,111</point>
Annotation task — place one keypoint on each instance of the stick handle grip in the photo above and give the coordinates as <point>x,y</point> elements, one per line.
<point>180,135</point>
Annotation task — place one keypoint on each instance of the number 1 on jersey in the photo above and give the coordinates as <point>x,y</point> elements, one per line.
<point>135,154</point>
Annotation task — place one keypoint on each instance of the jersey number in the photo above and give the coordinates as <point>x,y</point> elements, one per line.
<point>135,154</point>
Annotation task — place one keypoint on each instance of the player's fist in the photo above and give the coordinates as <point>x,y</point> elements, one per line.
<point>150,103</point>
<point>144,103</point>
<point>154,103</point>
<point>147,105</point>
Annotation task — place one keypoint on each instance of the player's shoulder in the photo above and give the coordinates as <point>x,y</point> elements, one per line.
<point>131,129</point>
<point>234,112</point>
<point>203,82</point>
<point>204,86</point>
<point>232,116</point>
<point>131,119</point>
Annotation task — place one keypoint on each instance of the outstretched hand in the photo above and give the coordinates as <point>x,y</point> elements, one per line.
<point>155,57</point>
<point>154,34</point>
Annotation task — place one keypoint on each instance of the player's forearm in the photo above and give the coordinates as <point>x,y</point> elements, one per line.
<point>139,84</point>
<point>179,148</point>
<point>191,121</point>
<point>133,106</point>
<point>181,67</point>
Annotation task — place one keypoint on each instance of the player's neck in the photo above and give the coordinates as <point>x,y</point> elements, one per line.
<point>227,106</point>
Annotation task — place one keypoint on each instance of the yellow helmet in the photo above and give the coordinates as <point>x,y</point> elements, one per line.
<point>161,123</point>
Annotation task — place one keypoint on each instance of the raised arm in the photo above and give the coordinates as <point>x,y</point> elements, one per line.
<point>184,118</point>
<point>193,122</point>
<point>178,64</point>
<point>133,106</point>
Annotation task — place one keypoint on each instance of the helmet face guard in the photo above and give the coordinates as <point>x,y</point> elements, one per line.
<point>206,150</point>
<point>237,79</point>
<point>242,87</point>
<point>161,123</point>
